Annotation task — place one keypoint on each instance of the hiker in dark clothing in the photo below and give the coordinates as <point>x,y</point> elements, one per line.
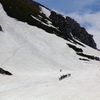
<point>60,70</point>
<point>64,76</point>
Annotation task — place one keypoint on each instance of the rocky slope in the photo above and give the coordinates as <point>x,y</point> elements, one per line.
<point>64,26</point>
<point>67,25</point>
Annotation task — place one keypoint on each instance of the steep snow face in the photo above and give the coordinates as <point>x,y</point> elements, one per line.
<point>35,58</point>
<point>29,46</point>
<point>45,11</point>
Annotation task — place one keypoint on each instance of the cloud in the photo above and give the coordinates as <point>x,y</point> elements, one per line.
<point>91,22</point>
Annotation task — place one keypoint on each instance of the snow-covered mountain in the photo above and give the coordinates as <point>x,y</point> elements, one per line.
<point>24,10</point>
<point>37,59</point>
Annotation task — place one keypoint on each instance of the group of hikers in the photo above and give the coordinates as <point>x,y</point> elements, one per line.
<point>64,76</point>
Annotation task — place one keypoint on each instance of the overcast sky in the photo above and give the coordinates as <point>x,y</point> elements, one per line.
<point>85,12</point>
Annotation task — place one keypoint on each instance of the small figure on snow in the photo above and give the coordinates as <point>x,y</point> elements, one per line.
<point>60,70</point>
<point>64,76</point>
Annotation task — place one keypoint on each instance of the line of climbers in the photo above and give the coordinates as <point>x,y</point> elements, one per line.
<point>64,76</point>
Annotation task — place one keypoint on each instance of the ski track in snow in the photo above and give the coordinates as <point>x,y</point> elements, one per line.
<point>10,56</point>
<point>35,58</point>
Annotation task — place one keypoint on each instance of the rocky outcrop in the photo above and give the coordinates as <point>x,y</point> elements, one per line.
<point>68,25</point>
<point>1,28</point>
<point>33,4</point>
<point>2,71</point>
<point>81,33</point>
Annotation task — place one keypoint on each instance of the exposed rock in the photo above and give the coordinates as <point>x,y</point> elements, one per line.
<point>2,71</point>
<point>88,56</point>
<point>68,25</point>
<point>75,48</point>
<point>81,33</point>
<point>84,59</point>
<point>32,3</point>
<point>1,28</point>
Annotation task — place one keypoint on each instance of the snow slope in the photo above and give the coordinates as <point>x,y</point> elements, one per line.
<point>45,11</point>
<point>35,58</point>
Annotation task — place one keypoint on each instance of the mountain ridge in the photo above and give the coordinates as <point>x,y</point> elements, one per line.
<point>65,25</point>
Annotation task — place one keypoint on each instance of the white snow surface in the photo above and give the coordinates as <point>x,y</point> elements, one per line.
<point>35,58</point>
<point>45,11</point>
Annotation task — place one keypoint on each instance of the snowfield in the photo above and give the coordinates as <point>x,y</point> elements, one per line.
<point>45,11</point>
<point>35,58</point>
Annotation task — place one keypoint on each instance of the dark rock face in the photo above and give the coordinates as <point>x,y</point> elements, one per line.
<point>67,26</point>
<point>2,71</point>
<point>33,4</point>
<point>81,33</point>
<point>1,28</point>
<point>61,21</point>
